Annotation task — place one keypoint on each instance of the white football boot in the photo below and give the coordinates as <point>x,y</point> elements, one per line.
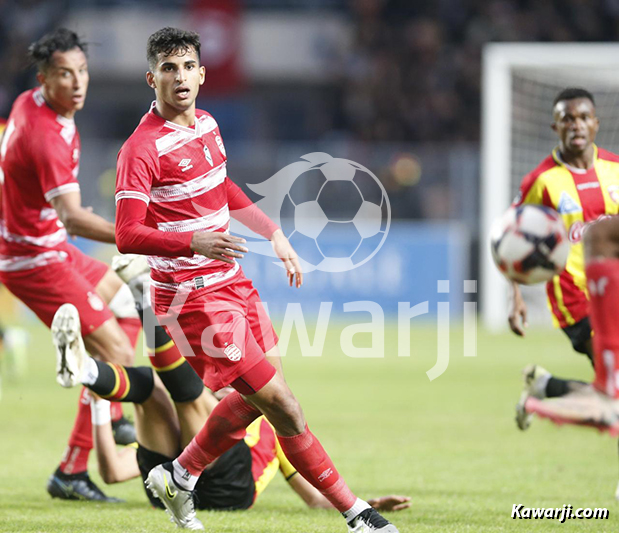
<point>370,521</point>
<point>178,502</point>
<point>587,407</point>
<point>534,379</point>
<point>70,351</point>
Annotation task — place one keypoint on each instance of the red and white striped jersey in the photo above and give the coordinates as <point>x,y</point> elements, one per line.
<point>180,174</point>
<point>39,160</point>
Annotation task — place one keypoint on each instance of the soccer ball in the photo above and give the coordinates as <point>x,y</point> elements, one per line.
<point>529,244</point>
<point>337,215</point>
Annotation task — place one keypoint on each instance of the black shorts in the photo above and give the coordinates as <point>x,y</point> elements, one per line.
<point>227,485</point>
<point>579,334</point>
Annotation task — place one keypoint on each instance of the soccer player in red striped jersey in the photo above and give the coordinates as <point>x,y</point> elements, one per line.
<point>581,182</point>
<point>174,201</point>
<point>41,206</point>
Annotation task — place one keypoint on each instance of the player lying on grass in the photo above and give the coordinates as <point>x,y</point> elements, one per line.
<point>595,404</point>
<point>581,182</point>
<point>233,482</point>
<point>41,206</point>
<point>179,216</point>
<point>165,427</point>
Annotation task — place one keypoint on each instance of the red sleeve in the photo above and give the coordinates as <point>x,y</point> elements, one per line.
<point>54,164</point>
<point>135,172</point>
<point>248,213</point>
<point>133,237</point>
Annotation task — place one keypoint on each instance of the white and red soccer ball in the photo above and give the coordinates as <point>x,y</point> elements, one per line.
<point>530,244</point>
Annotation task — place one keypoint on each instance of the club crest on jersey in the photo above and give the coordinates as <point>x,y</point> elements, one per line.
<point>95,302</point>
<point>613,192</point>
<point>220,143</point>
<point>233,353</point>
<point>207,154</point>
<point>567,205</point>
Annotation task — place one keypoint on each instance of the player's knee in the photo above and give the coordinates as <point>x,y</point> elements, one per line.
<point>290,412</point>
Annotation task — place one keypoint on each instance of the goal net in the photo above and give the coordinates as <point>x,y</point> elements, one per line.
<point>520,82</point>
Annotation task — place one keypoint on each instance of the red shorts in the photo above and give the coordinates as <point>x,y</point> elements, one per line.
<point>223,334</point>
<point>44,289</point>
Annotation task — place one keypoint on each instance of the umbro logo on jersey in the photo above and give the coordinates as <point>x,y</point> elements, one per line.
<point>568,205</point>
<point>184,164</point>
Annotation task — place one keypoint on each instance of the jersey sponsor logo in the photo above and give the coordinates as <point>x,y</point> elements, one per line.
<point>613,192</point>
<point>589,185</point>
<point>184,164</point>
<point>95,302</point>
<point>233,353</point>
<point>207,154</point>
<point>575,232</point>
<point>578,229</point>
<point>220,143</point>
<point>568,205</point>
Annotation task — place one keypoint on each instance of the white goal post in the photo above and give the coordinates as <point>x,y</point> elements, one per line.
<point>519,82</point>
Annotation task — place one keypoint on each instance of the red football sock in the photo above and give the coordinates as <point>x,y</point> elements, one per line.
<point>603,283</point>
<point>75,458</point>
<point>223,429</point>
<point>311,460</point>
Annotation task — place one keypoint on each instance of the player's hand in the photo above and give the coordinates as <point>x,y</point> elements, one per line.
<point>218,245</point>
<point>390,503</point>
<point>286,253</point>
<point>518,314</point>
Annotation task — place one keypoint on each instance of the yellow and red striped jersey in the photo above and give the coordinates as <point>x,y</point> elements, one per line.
<point>267,455</point>
<point>581,197</point>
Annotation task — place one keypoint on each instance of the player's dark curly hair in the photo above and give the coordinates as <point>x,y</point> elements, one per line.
<point>61,40</point>
<point>571,93</point>
<point>167,41</point>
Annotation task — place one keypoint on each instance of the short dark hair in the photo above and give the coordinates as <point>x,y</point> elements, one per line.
<point>61,40</point>
<point>571,93</point>
<point>167,41</point>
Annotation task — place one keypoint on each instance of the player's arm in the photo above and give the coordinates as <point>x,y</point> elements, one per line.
<point>134,237</point>
<point>80,221</point>
<point>518,311</point>
<point>114,466</point>
<point>250,215</point>
<point>310,495</point>
<point>315,500</point>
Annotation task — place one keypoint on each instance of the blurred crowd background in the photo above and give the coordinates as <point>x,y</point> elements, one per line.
<point>391,84</point>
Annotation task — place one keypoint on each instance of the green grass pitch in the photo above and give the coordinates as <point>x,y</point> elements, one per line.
<point>450,444</point>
